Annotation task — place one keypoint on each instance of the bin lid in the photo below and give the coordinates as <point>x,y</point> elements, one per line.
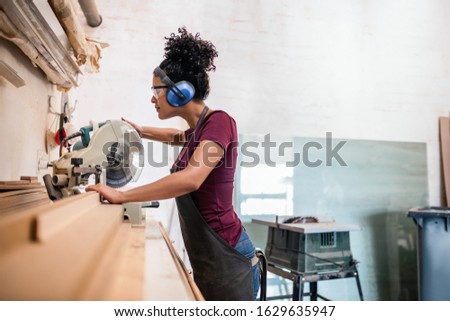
<point>429,212</point>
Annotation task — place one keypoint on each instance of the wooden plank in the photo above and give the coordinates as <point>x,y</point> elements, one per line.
<point>164,280</point>
<point>21,191</point>
<point>21,183</point>
<point>180,264</point>
<point>20,228</point>
<point>40,202</point>
<point>14,182</point>
<point>60,268</point>
<point>52,221</point>
<point>18,198</point>
<point>28,178</point>
<point>24,180</point>
<point>11,75</point>
<point>13,187</point>
<point>120,274</point>
<point>444,135</point>
<point>17,203</point>
<point>90,255</point>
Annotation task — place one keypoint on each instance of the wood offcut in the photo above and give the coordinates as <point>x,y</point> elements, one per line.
<point>21,194</point>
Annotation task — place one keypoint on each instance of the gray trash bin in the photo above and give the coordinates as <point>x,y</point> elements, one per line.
<point>434,252</point>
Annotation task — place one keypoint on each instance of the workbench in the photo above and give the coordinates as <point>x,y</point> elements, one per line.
<point>80,249</point>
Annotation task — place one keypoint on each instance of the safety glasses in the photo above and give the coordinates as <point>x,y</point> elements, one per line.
<point>158,90</point>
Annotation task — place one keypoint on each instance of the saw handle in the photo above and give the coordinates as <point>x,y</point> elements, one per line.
<point>153,204</point>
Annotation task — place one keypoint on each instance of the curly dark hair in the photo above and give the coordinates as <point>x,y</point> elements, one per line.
<point>189,58</point>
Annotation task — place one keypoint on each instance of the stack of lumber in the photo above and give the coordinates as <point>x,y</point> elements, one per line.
<point>78,248</point>
<point>50,252</point>
<point>22,194</point>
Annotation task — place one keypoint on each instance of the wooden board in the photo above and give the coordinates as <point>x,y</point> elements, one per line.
<point>10,74</point>
<point>21,201</point>
<point>60,267</point>
<point>52,221</point>
<point>169,281</point>
<point>20,228</point>
<point>80,249</point>
<point>180,265</point>
<point>20,192</point>
<point>444,137</point>
<point>24,180</point>
<point>119,276</point>
<point>14,201</point>
<point>13,187</point>
<point>28,178</point>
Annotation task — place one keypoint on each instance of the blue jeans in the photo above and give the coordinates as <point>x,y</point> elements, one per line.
<point>245,246</point>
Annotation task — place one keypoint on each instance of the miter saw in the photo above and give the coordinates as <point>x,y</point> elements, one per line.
<point>113,154</point>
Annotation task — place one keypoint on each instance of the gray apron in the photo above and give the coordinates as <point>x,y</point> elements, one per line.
<point>220,271</point>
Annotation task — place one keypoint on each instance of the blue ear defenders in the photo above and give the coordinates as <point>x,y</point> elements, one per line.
<point>179,94</point>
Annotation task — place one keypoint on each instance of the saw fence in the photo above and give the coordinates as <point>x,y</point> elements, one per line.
<point>80,249</point>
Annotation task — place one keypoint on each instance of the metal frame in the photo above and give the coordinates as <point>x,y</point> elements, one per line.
<point>299,279</point>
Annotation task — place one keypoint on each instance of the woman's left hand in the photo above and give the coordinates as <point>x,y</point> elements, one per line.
<point>110,194</point>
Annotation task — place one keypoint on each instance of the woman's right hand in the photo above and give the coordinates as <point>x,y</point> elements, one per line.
<point>134,125</point>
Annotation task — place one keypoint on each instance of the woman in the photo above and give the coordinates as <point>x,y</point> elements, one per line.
<point>202,179</point>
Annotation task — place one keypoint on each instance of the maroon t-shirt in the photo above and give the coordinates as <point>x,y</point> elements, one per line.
<point>214,197</point>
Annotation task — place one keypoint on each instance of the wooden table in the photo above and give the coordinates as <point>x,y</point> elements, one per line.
<point>80,249</point>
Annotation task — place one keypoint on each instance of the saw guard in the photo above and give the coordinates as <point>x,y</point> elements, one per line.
<point>116,147</point>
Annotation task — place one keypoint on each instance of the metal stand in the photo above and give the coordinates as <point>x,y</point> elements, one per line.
<point>299,280</point>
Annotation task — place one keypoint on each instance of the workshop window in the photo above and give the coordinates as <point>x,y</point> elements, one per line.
<point>265,190</point>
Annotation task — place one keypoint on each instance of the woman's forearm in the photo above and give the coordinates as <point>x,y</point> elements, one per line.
<point>167,187</point>
<point>170,136</point>
<point>202,162</point>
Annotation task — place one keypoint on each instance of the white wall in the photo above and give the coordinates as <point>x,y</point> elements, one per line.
<point>24,116</point>
<point>360,69</point>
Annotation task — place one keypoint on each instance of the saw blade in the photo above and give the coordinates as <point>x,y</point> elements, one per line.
<point>120,169</point>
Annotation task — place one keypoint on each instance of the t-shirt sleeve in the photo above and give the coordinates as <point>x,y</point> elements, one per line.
<point>219,128</point>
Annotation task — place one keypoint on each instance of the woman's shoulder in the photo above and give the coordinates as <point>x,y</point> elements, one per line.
<point>219,116</point>
<point>219,127</point>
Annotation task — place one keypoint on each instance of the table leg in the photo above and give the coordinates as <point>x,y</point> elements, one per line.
<point>298,287</point>
<point>313,291</point>
<point>358,283</point>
